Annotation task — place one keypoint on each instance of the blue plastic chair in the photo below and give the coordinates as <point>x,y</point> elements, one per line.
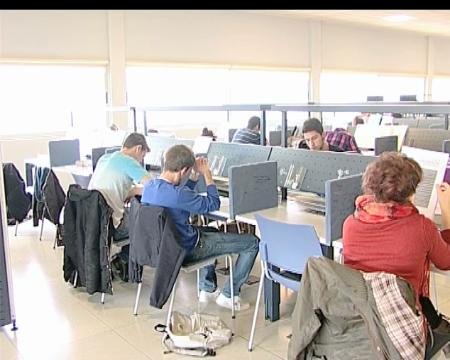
<point>287,247</point>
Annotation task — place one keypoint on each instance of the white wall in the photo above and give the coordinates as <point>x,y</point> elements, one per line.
<point>373,49</point>
<point>442,56</point>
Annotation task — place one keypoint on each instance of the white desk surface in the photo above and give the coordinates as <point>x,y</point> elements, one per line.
<point>289,211</point>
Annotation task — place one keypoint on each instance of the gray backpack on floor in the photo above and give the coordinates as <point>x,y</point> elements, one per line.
<point>196,334</point>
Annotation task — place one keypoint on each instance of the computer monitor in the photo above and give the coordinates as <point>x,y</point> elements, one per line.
<point>231,134</point>
<point>375,98</point>
<point>97,153</point>
<point>112,149</point>
<point>408,98</point>
<point>64,152</point>
<point>386,143</point>
<point>275,138</point>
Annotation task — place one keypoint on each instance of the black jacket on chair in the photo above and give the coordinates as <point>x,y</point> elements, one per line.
<point>54,198</point>
<point>87,235</point>
<point>18,201</point>
<point>154,242</point>
<point>40,176</point>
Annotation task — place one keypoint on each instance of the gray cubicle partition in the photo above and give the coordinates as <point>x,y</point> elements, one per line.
<point>252,187</point>
<point>158,144</point>
<point>63,152</point>
<point>428,139</point>
<point>431,123</point>
<point>7,315</point>
<point>221,156</point>
<point>306,170</point>
<point>340,195</point>
<point>409,121</point>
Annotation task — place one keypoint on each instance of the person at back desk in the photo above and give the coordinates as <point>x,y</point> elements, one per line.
<point>114,177</point>
<point>250,134</point>
<point>200,242</point>
<point>313,137</point>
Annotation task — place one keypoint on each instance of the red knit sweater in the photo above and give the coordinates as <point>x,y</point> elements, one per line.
<point>404,247</point>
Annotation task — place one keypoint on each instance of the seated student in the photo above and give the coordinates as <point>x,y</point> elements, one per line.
<point>387,233</point>
<point>313,137</point>
<point>114,177</point>
<point>181,201</point>
<point>250,134</point>
<point>209,133</point>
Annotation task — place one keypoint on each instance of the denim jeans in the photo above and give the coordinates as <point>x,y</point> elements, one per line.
<point>219,243</point>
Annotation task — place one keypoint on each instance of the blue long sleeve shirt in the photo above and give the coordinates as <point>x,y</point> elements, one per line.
<point>181,202</point>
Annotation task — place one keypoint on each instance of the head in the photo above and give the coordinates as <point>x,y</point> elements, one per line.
<point>179,161</point>
<point>135,146</point>
<point>357,120</point>
<point>393,177</point>
<point>313,134</point>
<point>254,123</point>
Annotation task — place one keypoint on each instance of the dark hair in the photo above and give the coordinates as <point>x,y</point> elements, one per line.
<point>358,120</point>
<point>178,157</point>
<point>393,177</point>
<point>135,139</point>
<point>253,122</point>
<point>207,132</point>
<point>312,124</point>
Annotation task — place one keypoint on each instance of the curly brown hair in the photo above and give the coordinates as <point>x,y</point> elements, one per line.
<point>393,177</point>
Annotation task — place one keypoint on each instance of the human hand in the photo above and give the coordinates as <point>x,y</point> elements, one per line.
<point>443,194</point>
<point>201,165</point>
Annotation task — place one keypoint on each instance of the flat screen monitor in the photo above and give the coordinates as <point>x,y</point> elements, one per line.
<point>386,143</point>
<point>375,98</point>
<point>275,138</point>
<point>408,98</point>
<point>64,152</point>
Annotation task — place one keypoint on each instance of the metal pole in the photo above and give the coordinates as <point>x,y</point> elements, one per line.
<point>263,128</point>
<point>284,134</point>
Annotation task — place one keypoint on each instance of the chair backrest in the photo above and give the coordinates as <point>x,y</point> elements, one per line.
<point>287,246</point>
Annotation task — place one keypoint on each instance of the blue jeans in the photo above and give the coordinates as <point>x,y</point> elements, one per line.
<point>219,243</point>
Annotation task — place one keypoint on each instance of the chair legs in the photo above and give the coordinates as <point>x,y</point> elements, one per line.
<point>17,225</point>
<point>172,298</point>
<point>103,298</point>
<point>255,315</point>
<point>136,302</point>
<point>230,260</point>
<point>42,225</point>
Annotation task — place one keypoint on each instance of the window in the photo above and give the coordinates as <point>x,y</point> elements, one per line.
<point>440,89</point>
<point>42,98</point>
<point>354,87</point>
<point>191,86</point>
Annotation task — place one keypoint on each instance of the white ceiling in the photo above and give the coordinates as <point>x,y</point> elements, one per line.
<point>427,22</point>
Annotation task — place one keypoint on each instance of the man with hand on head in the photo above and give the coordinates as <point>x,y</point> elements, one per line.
<point>174,190</point>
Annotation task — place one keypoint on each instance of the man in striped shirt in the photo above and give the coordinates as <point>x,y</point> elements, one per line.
<point>250,134</point>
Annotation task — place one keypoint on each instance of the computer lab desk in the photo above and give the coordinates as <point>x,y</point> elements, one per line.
<point>289,211</point>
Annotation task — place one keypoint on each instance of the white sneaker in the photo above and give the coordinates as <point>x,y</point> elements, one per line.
<point>206,296</point>
<point>225,302</point>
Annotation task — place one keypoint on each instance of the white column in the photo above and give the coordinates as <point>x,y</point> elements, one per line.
<point>116,74</point>
<point>430,68</point>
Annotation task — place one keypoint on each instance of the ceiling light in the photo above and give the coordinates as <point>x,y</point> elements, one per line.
<point>398,18</point>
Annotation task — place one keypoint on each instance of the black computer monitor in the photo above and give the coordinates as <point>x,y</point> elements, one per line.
<point>275,138</point>
<point>97,153</point>
<point>408,98</point>
<point>64,152</point>
<point>231,134</point>
<point>375,98</point>
<point>386,143</point>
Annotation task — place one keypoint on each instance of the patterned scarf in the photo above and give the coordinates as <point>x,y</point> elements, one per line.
<point>372,212</point>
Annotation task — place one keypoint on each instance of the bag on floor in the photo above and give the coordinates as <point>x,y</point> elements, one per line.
<point>195,335</point>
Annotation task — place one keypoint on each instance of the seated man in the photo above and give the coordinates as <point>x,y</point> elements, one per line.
<point>313,137</point>
<point>115,176</point>
<point>250,134</point>
<point>181,201</point>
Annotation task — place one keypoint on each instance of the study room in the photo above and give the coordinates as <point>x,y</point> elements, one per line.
<point>261,184</point>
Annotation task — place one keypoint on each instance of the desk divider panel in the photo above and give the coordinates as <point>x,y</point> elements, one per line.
<point>158,144</point>
<point>221,156</point>
<point>428,139</point>
<point>63,152</point>
<point>252,187</point>
<point>434,122</point>
<point>340,195</point>
<point>306,170</point>
<point>7,315</point>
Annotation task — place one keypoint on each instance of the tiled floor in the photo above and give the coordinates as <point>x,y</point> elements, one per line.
<point>59,322</point>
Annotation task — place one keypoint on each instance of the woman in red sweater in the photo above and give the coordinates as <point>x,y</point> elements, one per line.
<point>387,233</point>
